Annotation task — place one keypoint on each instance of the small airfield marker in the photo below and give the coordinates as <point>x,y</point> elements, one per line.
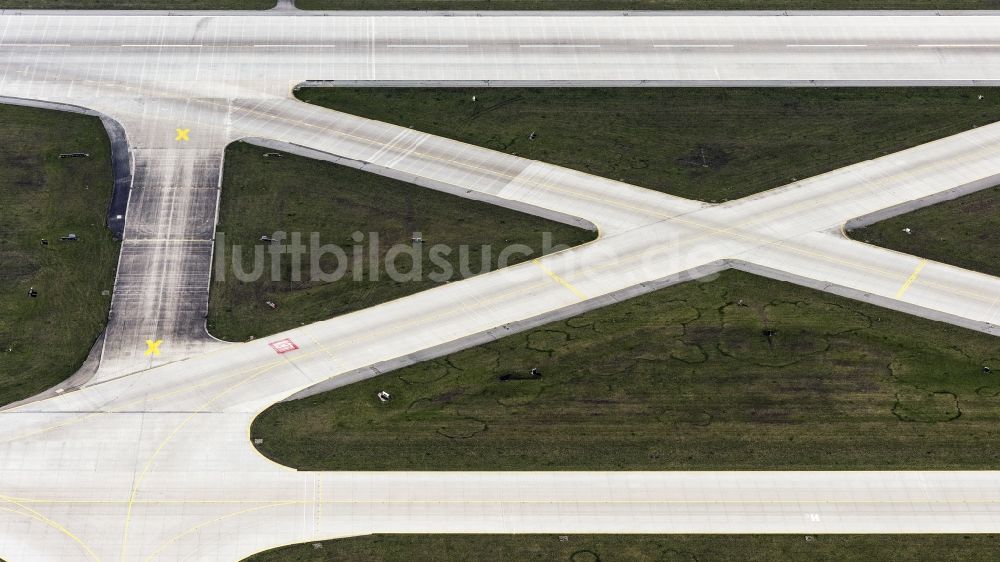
<point>283,346</point>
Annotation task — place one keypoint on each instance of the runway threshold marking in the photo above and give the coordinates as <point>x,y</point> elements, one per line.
<point>559,279</point>
<point>911,279</point>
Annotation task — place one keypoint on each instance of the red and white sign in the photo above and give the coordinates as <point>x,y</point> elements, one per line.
<point>283,346</point>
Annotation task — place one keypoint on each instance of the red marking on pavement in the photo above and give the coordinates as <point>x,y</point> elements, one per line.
<point>283,346</point>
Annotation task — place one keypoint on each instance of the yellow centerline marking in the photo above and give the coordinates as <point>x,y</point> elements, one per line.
<point>559,280</point>
<point>149,463</point>
<point>156,553</point>
<point>31,514</point>
<point>911,279</point>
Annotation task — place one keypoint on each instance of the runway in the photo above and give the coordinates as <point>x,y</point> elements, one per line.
<point>151,459</point>
<point>250,55</point>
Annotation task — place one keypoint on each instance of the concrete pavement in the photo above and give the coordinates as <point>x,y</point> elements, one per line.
<point>158,464</point>
<point>247,55</point>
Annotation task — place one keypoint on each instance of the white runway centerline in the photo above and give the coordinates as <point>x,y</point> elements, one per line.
<point>159,45</point>
<point>826,46</point>
<point>35,45</point>
<point>427,46</point>
<point>293,46</point>
<point>559,46</point>
<point>692,46</point>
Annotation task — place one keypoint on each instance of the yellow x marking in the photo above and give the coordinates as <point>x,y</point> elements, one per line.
<point>153,347</point>
<point>182,134</point>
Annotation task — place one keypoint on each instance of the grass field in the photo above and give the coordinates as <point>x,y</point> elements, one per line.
<point>711,144</point>
<point>681,379</point>
<point>963,232</point>
<point>642,548</point>
<point>138,4</point>
<point>296,194</point>
<point>648,4</point>
<point>44,340</point>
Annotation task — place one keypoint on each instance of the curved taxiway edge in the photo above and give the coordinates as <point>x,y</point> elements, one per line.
<point>121,159</point>
<point>121,166</point>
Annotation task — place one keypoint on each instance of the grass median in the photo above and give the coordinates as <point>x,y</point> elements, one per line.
<point>964,232</point>
<point>712,144</point>
<point>739,373</point>
<point>354,210</point>
<point>642,548</point>
<point>43,340</point>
